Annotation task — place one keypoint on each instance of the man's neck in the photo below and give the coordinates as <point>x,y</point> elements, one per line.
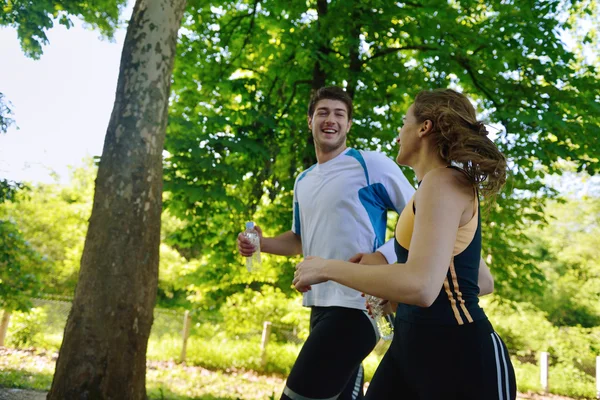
<point>323,157</point>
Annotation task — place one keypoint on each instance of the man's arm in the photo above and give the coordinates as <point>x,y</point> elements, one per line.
<point>286,244</point>
<point>485,279</point>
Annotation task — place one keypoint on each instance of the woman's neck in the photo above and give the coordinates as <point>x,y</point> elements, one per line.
<point>429,163</point>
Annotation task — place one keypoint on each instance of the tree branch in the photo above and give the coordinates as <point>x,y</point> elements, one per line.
<point>226,34</point>
<point>319,75</point>
<point>226,41</point>
<point>268,95</point>
<point>356,63</point>
<point>463,63</point>
<point>415,5</point>
<point>248,33</point>
<point>391,50</point>
<point>477,50</point>
<point>294,88</point>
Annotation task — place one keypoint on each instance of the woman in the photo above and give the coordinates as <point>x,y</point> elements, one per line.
<point>444,346</point>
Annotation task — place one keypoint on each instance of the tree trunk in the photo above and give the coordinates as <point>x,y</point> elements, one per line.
<point>354,56</point>
<point>319,74</point>
<point>103,354</point>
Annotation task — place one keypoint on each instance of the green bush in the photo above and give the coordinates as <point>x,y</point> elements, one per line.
<point>165,347</point>
<point>576,346</point>
<point>166,322</point>
<point>527,332</point>
<point>566,379</point>
<point>527,376</point>
<point>25,328</point>
<point>523,328</point>
<point>245,313</point>
<point>223,353</point>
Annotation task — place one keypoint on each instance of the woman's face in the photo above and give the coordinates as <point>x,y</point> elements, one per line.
<point>408,139</point>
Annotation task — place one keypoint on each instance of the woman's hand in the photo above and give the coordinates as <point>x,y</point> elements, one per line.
<point>375,258</point>
<point>309,272</point>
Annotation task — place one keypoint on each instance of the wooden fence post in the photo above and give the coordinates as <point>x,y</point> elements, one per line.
<point>187,321</point>
<point>598,377</point>
<point>4,326</point>
<point>544,371</point>
<point>264,342</point>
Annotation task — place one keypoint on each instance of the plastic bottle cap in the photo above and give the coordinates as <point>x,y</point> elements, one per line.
<point>249,225</point>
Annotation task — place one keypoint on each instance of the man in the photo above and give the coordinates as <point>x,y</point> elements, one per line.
<point>340,209</point>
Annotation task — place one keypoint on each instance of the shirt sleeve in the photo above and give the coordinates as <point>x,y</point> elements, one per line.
<point>398,192</point>
<point>388,251</point>
<point>296,228</point>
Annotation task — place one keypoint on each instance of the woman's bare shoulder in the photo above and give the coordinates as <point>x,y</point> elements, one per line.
<point>447,182</point>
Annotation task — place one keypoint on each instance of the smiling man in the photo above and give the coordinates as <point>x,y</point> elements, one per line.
<point>340,210</point>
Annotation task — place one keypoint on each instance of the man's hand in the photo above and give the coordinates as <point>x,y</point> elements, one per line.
<point>245,247</point>
<point>369,258</point>
<point>389,307</point>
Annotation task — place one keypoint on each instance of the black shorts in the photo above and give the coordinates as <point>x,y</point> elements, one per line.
<point>328,366</point>
<point>460,362</point>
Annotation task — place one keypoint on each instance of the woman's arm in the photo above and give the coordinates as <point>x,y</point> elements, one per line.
<point>440,201</point>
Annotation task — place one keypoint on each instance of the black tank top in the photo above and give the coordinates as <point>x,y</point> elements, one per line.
<point>458,301</point>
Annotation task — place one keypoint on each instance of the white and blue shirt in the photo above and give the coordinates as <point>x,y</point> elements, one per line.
<point>340,209</point>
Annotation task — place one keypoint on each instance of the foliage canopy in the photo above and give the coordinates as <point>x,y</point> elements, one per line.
<point>238,134</point>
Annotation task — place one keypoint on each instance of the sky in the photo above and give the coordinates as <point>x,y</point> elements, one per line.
<point>61,102</point>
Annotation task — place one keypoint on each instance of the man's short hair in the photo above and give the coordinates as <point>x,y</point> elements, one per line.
<point>330,93</point>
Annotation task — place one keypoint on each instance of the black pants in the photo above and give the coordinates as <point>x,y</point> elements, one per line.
<point>461,362</point>
<point>328,366</point>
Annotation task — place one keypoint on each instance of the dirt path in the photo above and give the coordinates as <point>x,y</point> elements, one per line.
<point>21,394</point>
<point>535,396</point>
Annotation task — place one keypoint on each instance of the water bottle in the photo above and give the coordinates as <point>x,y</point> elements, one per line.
<point>253,262</point>
<point>384,325</point>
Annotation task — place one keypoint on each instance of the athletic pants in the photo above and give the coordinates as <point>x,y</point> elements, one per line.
<point>435,362</point>
<point>328,366</point>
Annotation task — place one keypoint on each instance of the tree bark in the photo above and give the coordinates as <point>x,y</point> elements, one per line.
<point>103,354</point>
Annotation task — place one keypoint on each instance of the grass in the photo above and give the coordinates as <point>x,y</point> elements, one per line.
<point>219,367</point>
<point>181,382</point>
<point>31,369</point>
<point>25,369</point>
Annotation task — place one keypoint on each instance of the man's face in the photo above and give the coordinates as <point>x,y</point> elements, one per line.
<point>329,124</point>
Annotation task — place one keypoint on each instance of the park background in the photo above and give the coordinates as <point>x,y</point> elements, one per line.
<point>237,137</point>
